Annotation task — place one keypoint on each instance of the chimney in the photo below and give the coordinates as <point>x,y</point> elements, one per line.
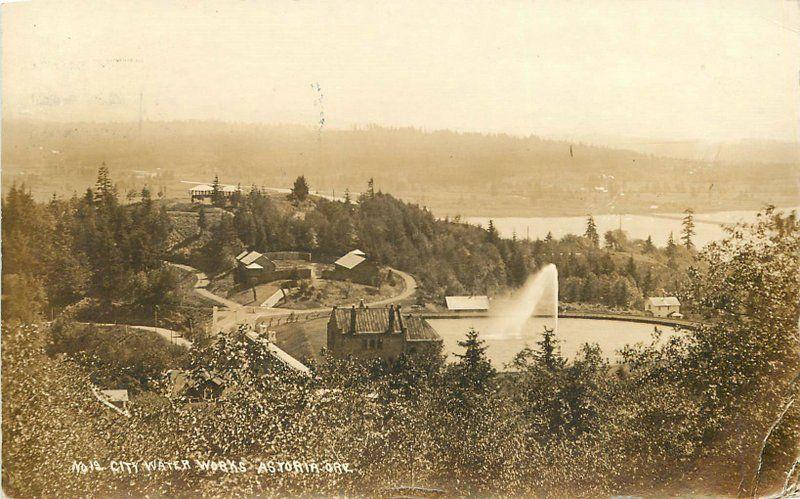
<point>353,320</point>
<point>400,320</point>
<point>391,319</point>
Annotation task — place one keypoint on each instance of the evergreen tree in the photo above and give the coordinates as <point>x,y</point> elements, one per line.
<point>591,231</point>
<point>671,246</point>
<point>105,192</point>
<point>371,188</point>
<point>217,196</point>
<point>688,228</point>
<point>672,251</point>
<point>300,189</point>
<point>647,283</point>
<point>631,270</point>
<point>549,237</point>
<point>619,293</point>
<point>474,371</point>
<point>548,355</point>
<point>492,235</point>
<point>202,223</point>
<point>518,267</point>
<point>649,247</point>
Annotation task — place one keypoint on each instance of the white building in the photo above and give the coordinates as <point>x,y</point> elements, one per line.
<point>467,303</point>
<point>663,306</point>
<point>204,192</point>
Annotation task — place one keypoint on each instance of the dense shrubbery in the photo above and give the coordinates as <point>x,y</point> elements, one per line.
<point>118,357</point>
<point>686,416</point>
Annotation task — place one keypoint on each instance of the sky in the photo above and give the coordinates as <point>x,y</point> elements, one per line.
<point>666,70</point>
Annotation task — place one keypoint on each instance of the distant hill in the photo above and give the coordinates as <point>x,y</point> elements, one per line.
<point>741,151</point>
<point>453,173</point>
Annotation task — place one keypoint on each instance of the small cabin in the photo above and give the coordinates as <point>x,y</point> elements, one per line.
<point>252,266</point>
<point>663,306</point>
<point>356,267</point>
<point>117,398</point>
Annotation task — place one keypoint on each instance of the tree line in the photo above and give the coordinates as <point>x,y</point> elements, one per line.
<point>89,250</point>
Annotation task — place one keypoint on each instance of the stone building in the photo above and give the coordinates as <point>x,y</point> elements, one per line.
<point>379,333</point>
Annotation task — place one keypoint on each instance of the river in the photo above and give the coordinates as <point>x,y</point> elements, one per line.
<point>708,226</point>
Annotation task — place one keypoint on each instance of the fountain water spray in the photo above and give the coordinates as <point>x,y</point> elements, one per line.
<point>510,318</point>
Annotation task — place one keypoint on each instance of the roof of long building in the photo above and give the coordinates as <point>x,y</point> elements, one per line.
<point>376,320</point>
<point>475,302</point>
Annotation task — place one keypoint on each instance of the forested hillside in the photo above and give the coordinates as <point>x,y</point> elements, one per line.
<point>446,256</point>
<point>452,173</point>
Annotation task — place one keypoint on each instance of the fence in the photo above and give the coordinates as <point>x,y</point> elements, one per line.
<point>294,318</point>
<point>289,255</point>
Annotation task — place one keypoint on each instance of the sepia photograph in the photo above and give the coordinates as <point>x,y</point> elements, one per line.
<point>431,248</point>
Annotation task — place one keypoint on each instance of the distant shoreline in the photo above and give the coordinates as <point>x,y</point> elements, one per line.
<point>666,212</point>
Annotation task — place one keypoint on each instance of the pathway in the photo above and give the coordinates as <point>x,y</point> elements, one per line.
<point>168,334</point>
<point>202,283</point>
<point>409,288</point>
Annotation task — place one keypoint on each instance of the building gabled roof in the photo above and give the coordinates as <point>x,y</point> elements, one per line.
<point>663,301</point>
<point>115,395</point>
<point>242,254</point>
<point>350,260</point>
<point>475,302</point>
<point>376,320</point>
<point>229,188</point>
<point>249,258</point>
<point>254,266</point>
<point>201,188</point>
<point>358,252</point>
